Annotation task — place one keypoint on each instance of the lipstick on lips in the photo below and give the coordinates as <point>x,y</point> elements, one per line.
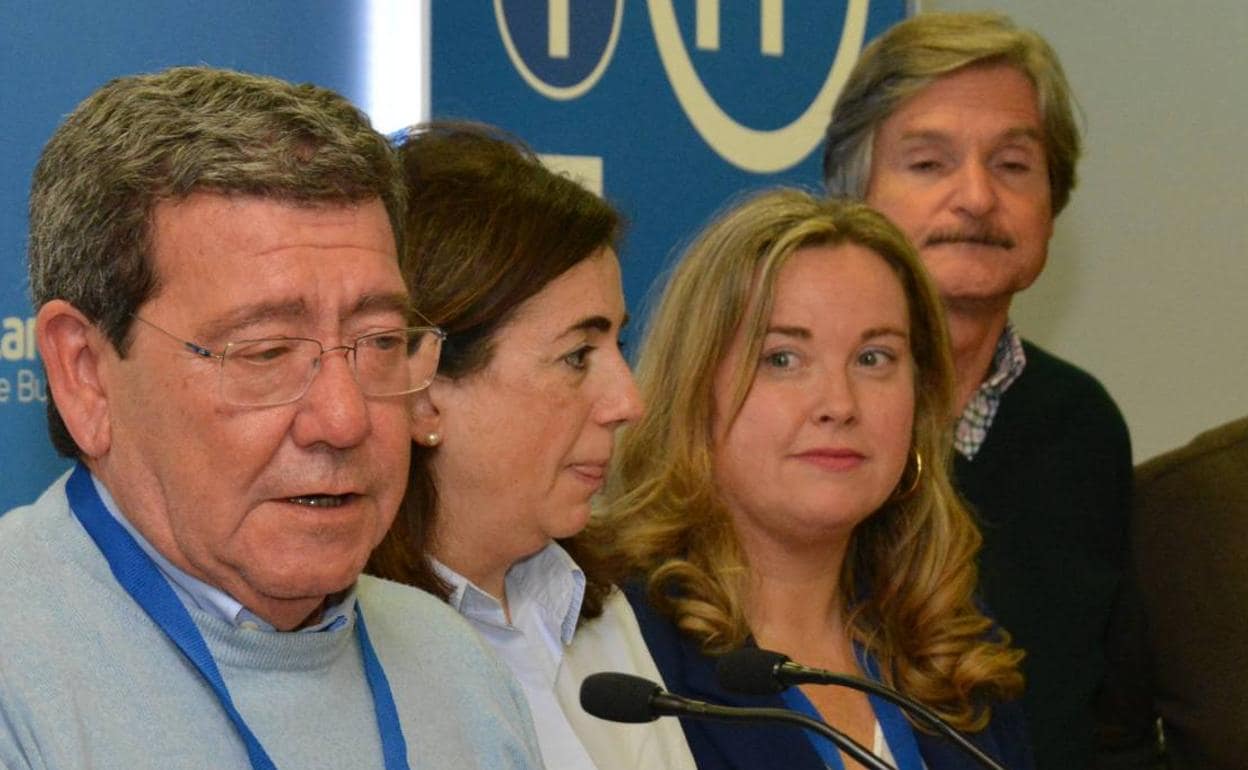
<point>832,458</point>
<point>593,474</point>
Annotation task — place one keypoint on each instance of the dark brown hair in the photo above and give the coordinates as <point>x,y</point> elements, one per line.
<point>488,227</point>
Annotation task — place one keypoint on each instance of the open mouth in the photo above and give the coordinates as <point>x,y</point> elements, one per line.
<point>321,501</point>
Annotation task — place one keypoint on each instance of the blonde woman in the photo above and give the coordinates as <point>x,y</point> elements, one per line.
<point>788,488</point>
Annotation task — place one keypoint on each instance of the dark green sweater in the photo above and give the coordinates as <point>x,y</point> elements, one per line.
<point>1051,489</point>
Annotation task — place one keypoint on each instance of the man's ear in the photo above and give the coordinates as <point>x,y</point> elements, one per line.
<point>426,418</point>
<point>72,348</point>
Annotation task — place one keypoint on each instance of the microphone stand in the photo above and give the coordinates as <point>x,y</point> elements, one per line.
<point>667,704</point>
<point>794,673</point>
<point>619,697</point>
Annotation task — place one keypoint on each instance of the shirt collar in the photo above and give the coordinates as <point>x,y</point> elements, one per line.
<point>549,583</point>
<point>195,593</point>
<point>1008,362</point>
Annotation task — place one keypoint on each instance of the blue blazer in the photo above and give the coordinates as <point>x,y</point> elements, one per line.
<point>736,746</point>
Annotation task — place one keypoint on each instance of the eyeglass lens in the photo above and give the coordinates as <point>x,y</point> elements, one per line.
<point>270,372</point>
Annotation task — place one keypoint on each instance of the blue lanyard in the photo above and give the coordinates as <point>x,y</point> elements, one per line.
<point>897,731</point>
<point>136,573</point>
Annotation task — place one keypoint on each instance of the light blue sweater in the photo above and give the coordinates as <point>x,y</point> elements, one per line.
<point>88,681</point>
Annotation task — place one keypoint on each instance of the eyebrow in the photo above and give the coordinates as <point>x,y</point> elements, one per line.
<point>596,323</point>
<point>396,302</point>
<point>249,315</point>
<point>296,309</point>
<point>1024,132</point>
<point>801,332</point>
<point>885,331</point>
<point>931,135</point>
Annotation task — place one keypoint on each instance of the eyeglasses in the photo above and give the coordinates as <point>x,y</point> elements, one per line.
<point>279,370</point>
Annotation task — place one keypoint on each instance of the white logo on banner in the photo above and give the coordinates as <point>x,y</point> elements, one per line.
<point>17,343</point>
<point>17,339</point>
<point>750,149</point>
<point>559,46</point>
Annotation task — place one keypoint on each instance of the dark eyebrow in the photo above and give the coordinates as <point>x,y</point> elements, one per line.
<point>595,323</point>
<point>801,332</point>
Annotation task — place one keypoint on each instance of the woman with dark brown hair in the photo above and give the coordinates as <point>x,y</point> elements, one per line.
<point>512,438</point>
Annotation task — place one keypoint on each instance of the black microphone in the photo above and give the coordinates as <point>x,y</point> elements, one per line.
<point>754,671</point>
<point>627,698</point>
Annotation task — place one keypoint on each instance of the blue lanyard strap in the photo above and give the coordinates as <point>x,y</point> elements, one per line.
<point>896,729</point>
<point>393,746</point>
<point>139,576</point>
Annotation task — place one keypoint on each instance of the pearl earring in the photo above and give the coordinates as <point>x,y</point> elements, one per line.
<point>433,439</point>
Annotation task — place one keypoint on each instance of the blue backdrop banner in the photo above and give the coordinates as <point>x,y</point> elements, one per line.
<point>669,108</point>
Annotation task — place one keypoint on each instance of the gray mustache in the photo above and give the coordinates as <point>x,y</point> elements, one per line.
<point>981,237</point>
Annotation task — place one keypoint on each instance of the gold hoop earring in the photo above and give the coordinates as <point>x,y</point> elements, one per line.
<point>898,495</point>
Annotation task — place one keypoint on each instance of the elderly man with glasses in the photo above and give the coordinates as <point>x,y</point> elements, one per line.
<point>229,349</point>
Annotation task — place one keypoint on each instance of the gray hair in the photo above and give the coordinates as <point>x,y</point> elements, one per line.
<point>144,139</point>
<point>911,55</point>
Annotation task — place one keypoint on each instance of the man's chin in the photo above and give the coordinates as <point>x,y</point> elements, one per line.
<point>307,582</point>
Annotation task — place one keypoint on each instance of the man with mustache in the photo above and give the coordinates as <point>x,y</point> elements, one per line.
<point>230,352</point>
<point>959,127</point>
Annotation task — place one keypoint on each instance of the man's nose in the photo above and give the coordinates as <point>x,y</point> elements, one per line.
<point>976,191</point>
<point>334,410</point>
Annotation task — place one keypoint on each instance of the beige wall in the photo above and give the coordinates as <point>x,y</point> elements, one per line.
<point>1147,282</point>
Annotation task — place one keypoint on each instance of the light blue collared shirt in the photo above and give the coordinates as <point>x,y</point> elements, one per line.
<point>196,594</point>
<point>544,594</point>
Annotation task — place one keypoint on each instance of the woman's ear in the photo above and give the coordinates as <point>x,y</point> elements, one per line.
<point>426,419</point>
<point>73,349</point>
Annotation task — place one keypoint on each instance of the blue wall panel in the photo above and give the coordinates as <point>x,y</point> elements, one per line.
<point>516,63</point>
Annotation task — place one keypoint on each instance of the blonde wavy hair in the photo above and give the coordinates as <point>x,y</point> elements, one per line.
<point>909,574</point>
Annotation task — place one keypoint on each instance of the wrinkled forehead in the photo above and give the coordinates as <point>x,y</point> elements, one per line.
<point>228,261</point>
<point>976,90</point>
